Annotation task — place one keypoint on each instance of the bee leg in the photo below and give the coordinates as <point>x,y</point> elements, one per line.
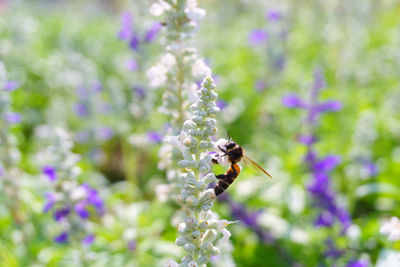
<point>234,170</point>
<point>215,161</point>
<point>223,150</point>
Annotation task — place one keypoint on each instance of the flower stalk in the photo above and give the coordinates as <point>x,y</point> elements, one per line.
<point>199,231</point>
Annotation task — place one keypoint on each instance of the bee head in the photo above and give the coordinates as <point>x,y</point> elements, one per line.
<point>230,144</point>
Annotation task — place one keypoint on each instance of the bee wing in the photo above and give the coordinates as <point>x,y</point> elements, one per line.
<point>251,163</point>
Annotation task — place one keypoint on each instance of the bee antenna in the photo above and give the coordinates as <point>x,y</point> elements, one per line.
<point>229,137</point>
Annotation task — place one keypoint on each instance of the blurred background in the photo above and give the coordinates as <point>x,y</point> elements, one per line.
<point>309,88</point>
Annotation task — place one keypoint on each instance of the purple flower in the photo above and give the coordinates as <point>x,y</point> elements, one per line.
<point>325,219</point>
<point>1,170</point>
<point>293,101</point>
<point>329,106</point>
<point>273,14</point>
<point>12,117</point>
<point>50,172</point>
<point>132,65</point>
<point>50,200</point>
<point>331,250</point>
<point>154,137</point>
<point>260,85</point>
<point>134,43</point>
<point>140,92</point>
<point>248,218</point>
<point>81,110</point>
<point>11,86</point>
<point>357,263</point>
<point>327,164</point>
<point>221,104</point>
<point>60,214</point>
<point>104,133</point>
<point>126,26</point>
<point>152,33</point>
<point>81,210</point>
<point>94,199</point>
<point>257,37</point>
<point>97,87</point>
<point>371,168</point>
<point>88,240</point>
<point>132,245</point>
<point>307,139</point>
<point>62,238</point>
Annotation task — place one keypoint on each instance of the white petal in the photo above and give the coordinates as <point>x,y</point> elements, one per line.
<point>156,9</point>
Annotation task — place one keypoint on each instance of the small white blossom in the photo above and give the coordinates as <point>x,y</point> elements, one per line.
<point>78,193</point>
<point>221,157</point>
<point>200,68</point>
<point>193,12</point>
<point>157,75</point>
<point>172,263</point>
<point>221,225</point>
<point>391,229</point>
<point>156,9</point>
<point>162,192</point>
<point>168,60</point>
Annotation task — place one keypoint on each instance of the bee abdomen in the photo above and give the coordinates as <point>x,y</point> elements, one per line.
<point>225,180</point>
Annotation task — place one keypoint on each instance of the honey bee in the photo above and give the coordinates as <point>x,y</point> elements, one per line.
<point>232,153</point>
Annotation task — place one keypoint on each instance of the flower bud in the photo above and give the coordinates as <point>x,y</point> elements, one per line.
<point>203,145</point>
<point>203,259</point>
<point>210,122</point>
<point>215,251</point>
<point>209,178</point>
<point>188,124</point>
<point>186,164</point>
<point>213,111</point>
<point>192,201</point>
<point>180,241</point>
<point>209,236</point>
<point>193,264</point>
<point>189,247</point>
<point>198,120</point>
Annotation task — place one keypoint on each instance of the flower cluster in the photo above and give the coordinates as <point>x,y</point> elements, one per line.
<point>180,65</point>
<point>200,228</point>
<point>71,203</point>
<point>176,72</point>
<point>329,212</point>
<point>9,152</point>
<point>131,35</point>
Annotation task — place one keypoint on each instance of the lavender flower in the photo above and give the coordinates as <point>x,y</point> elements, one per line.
<point>132,36</point>
<point>273,15</point>
<point>11,86</point>
<point>329,212</point>
<point>12,118</point>
<point>257,37</point>
<point>152,33</point>
<point>50,172</point>
<point>71,204</point>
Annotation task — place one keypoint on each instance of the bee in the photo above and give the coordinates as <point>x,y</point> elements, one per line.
<point>232,153</point>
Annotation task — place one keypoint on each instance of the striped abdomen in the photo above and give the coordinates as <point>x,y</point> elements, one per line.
<point>224,180</point>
